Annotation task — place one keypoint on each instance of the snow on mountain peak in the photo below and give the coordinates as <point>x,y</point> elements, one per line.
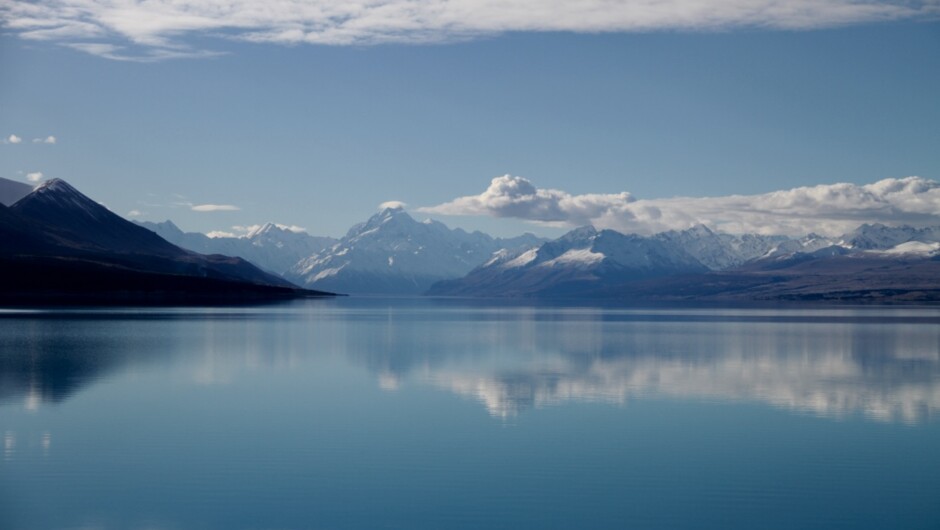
<point>58,193</point>
<point>55,184</point>
<point>262,229</point>
<point>578,256</point>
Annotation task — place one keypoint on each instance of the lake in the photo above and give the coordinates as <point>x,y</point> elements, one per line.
<point>423,413</point>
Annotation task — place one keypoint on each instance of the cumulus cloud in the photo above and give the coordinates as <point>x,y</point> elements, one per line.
<point>46,140</point>
<point>510,196</point>
<point>157,29</point>
<point>214,208</point>
<point>35,176</point>
<point>829,209</point>
<point>13,139</point>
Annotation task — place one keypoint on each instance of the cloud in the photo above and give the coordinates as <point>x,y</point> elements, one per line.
<point>214,208</point>
<point>46,140</point>
<point>392,204</point>
<point>248,230</point>
<point>157,29</point>
<point>135,213</point>
<point>13,139</point>
<point>510,196</point>
<point>219,233</point>
<point>34,177</point>
<point>830,209</point>
<point>147,55</point>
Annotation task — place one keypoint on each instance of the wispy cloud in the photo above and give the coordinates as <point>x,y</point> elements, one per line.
<point>156,29</point>
<point>135,213</point>
<point>12,139</point>
<point>214,208</point>
<point>146,55</point>
<point>35,176</point>
<point>830,209</point>
<point>46,140</point>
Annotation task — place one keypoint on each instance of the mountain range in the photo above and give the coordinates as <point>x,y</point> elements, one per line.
<point>275,248</point>
<point>60,245</point>
<point>392,253</point>
<point>872,263</point>
<point>56,240</point>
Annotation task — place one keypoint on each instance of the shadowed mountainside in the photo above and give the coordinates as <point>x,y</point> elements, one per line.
<point>61,246</point>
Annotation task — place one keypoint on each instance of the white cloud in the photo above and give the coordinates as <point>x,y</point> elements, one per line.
<point>156,29</point>
<point>34,177</point>
<point>830,209</point>
<point>245,231</point>
<point>291,228</point>
<point>214,208</point>
<point>392,204</point>
<point>510,196</point>
<point>219,233</point>
<point>46,140</point>
<point>13,139</point>
<point>135,213</point>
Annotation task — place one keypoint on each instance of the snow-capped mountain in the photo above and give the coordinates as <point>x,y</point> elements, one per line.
<point>881,237</point>
<point>272,247</point>
<point>582,260</point>
<point>603,264</point>
<point>720,251</point>
<point>392,253</point>
<point>807,244</point>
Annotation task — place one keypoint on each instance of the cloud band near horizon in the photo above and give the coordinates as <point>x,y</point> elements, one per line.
<point>828,209</point>
<point>157,29</point>
<point>214,208</point>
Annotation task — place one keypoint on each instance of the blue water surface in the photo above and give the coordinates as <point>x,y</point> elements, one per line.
<point>370,413</point>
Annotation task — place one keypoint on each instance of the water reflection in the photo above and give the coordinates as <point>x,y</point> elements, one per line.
<point>829,363</point>
<point>882,364</point>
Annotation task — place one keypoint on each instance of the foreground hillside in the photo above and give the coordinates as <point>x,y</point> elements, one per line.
<point>61,246</point>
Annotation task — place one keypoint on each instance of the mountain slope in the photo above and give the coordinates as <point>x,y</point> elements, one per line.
<point>391,253</point>
<point>880,237</point>
<point>272,247</point>
<point>873,262</point>
<point>581,260</point>
<point>720,251</point>
<point>57,240</point>
<point>12,191</point>
<point>833,274</point>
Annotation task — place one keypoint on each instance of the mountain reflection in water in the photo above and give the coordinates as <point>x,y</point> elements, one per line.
<point>884,364</point>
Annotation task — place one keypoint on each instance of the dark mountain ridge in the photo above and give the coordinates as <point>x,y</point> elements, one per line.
<point>59,244</point>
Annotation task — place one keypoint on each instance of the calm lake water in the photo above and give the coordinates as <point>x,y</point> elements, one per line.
<point>357,413</point>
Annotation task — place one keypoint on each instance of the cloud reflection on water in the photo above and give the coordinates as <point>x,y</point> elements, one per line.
<point>834,363</point>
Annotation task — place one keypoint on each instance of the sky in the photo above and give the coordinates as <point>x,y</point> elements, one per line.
<point>523,115</point>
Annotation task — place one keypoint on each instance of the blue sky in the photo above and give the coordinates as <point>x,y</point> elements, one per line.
<point>317,135</point>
